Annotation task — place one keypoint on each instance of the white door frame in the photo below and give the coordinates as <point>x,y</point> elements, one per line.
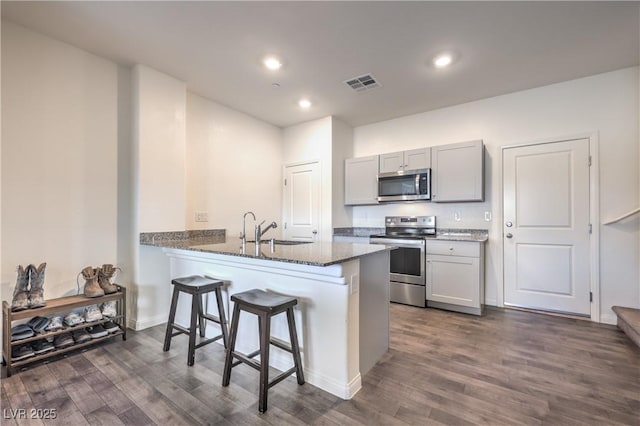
<point>594,215</point>
<point>284,175</point>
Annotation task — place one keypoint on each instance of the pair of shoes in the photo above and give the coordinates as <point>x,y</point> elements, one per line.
<point>97,331</point>
<point>98,280</point>
<point>55,323</point>
<point>80,336</point>
<point>63,340</point>
<point>109,309</point>
<point>21,331</point>
<point>21,352</point>
<point>39,324</point>
<point>29,291</point>
<point>111,327</point>
<point>92,313</point>
<point>42,346</point>
<point>73,318</point>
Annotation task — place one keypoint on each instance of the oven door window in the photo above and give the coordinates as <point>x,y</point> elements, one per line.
<point>397,185</point>
<point>406,261</point>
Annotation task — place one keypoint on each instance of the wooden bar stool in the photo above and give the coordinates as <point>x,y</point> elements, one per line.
<point>264,305</point>
<point>196,286</point>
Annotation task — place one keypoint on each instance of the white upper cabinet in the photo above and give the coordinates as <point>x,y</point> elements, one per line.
<point>361,180</point>
<point>457,172</point>
<point>405,160</point>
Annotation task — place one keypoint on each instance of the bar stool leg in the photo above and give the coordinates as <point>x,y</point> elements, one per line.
<point>192,330</point>
<point>172,317</point>
<point>295,347</point>
<point>223,318</point>
<point>265,332</point>
<point>226,377</point>
<point>201,319</point>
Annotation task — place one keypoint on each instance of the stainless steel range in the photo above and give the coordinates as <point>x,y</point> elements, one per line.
<point>407,262</point>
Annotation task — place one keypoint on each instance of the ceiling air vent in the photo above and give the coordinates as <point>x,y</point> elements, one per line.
<point>362,83</point>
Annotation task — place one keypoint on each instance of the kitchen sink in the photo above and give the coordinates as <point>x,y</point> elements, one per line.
<point>283,242</point>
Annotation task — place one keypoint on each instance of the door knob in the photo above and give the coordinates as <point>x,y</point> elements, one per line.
<point>509,224</point>
<point>509,235</point>
<point>314,232</point>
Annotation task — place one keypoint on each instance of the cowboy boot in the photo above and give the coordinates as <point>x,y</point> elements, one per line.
<point>36,276</point>
<point>91,286</point>
<point>104,278</point>
<point>21,293</point>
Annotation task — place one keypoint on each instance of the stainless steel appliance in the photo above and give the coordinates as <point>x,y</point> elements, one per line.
<point>409,185</point>
<point>407,263</point>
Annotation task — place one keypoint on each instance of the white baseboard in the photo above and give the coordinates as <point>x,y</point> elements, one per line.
<point>141,324</point>
<point>609,319</point>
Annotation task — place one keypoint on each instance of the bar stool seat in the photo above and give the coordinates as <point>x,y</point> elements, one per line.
<point>264,305</point>
<point>196,286</point>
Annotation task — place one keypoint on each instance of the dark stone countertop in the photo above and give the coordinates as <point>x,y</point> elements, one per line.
<point>322,253</point>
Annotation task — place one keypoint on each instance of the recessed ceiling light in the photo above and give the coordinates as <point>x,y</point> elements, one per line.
<point>443,60</point>
<point>304,103</point>
<point>272,63</point>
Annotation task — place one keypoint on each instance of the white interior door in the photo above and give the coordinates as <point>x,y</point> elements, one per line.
<point>546,226</point>
<point>301,210</point>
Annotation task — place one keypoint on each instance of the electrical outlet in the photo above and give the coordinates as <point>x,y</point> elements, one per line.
<point>487,216</point>
<point>457,217</point>
<point>354,285</point>
<point>202,216</point>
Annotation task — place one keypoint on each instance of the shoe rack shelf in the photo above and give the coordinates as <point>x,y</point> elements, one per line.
<point>59,305</point>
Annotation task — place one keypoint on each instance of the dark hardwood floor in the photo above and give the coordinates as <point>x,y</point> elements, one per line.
<point>507,367</point>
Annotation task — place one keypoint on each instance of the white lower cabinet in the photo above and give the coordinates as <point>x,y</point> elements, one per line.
<point>455,275</point>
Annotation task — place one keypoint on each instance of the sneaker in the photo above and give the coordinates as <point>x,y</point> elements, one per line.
<point>92,313</point>
<point>109,309</point>
<point>55,323</point>
<point>21,331</point>
<point>21,352</point>
<point>80,336</point>
<point>111,327</point>
<point>72,318</point>
<point>39,324</point>
<point>63,340</point>
<point>42,346</point>
<point>97,331</point>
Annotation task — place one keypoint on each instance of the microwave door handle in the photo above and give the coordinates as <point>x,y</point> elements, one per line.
<point>417,183</point>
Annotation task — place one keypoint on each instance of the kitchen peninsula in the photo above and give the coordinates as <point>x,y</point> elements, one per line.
<point>342,289</point>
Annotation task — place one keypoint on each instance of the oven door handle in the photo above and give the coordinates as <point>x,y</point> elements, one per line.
<point>398,242</point>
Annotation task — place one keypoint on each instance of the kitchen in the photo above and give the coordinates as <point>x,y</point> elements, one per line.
<point>115,183</point>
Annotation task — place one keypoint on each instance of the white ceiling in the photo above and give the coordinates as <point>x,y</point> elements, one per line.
<point>217,48</point>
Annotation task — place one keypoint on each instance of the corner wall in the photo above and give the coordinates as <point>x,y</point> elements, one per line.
<point>605,103</point>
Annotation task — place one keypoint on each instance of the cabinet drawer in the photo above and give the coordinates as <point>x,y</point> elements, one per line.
<point>454,248</point>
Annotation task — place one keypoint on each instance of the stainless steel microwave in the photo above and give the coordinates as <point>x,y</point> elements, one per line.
<point>407,185</point>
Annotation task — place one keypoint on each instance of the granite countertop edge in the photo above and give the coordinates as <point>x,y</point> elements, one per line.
<point>446,234</point>
<point>312,254</point>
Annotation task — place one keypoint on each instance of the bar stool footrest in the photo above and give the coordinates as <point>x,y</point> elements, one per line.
<point>246,360</point>
<point>181,330</point>
<point>249,355</point>
<point>283,346</point>
<point>282,376</point>
<point>207,341</point>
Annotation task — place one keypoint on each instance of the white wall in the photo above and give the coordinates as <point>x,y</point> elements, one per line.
<point>160,114</point>
<point>233,165</point>
<point>307,142</point>
<point>341,149</point>
<point>59,159</point>
<point>606,104</point>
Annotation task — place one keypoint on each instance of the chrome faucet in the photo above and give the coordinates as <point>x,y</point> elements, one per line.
<point>260,232</point>
<point>243,236</point>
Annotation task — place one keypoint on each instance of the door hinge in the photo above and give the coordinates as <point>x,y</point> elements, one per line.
<point>589,161</point>
<point>591,297</point>
<point>590,228</point>
<point>285,225</point>
<point>285,182</point>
